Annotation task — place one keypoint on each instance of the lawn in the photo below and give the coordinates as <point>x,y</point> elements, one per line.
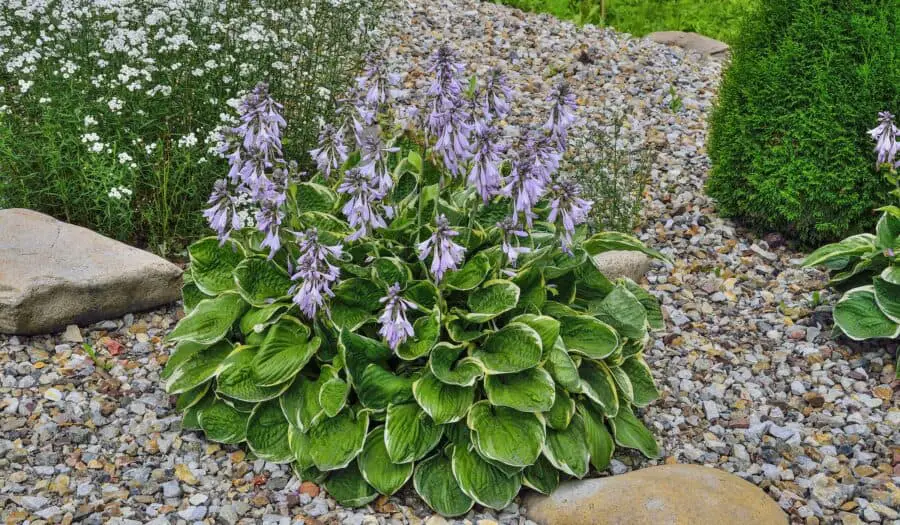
<point>718,19</point>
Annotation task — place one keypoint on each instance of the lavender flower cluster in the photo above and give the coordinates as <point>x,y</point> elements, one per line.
<point>886,136</point>
<point>461,128</point>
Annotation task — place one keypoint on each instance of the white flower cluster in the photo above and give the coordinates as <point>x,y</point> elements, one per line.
<point>119,192</point>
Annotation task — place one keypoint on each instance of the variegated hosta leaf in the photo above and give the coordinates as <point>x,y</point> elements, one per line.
<point>588,336</point>
<point>333,395</point>
<point>377,388</point>
<point>349,488</point>
<point>623,383</point>
<point>196,366</point>
<point>891,274</point>
<point>358,351</point>
<point>887,296</point>
<point>236,378</point>
<point>609,240</point>
<point>377,468</point>
<point>629,432</point>
<point>651,305</point>
<point>410,434</point>
<point>546,327</point>
<point>191,418</point>
<point>599,440</point>
<point>490,300</point>
<point>513,348</point>
<point>445,403</point>
<point>853,246</point>
<point>530,390</point>
<point>435,483</point>
<point>334,442</point>
<point>267,433</point>
<point>567,449</point>
<point>192,397</point>
<point>542,476</point>
<point>390,271</point>
<point>346,317</point>
<point>857,314</point>
<point>887,230</point>
<point>284,351</point>
<point>591,284</point>
<point>483,482</point>
<point>426,334</point>
<point>298,442</point>
<point>315,197</point>
<point>560,414</point>
<point>256,320</point>
<point>191,295</point>
<point>423,294</point>
<point>300,402</point>
<point>623,311</point>
<point>359,293</point>
<point>470,275</point>
<point>181,353</point>
<point>212,264</point>
<point>210,320</point>
<point>223,423</point>
<point>260,280</point>
<point>599,386</point>
<point>506,435</point>
<point>644,388</point>
<point>562,368</point>
<point>448,368</point>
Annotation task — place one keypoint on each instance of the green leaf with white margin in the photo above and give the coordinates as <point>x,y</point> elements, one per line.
<point>567,449</point>
<point>588,336</point>
<point>887,230</point>
<point>192,397</point>
<point>190,419</point>
<point>857,314</point>
<point>284,352</point>
<point>210,321</point>
<point>599,441</point>
<point>546,327</point>
<point>181,354</point>
<point>853,246</point>
<point>358,351</point>
<point>314,197</point>
<point>300,402</point>
<point>887,296</point>
<point>378,388</point>
<point>197,368</point>
<point>260,280</point>
<point>426,333</point>
<point>336,441</point>
<point>561,367</point>
<point>598,385</point>
<point>410,434</point>
<point>542,476</point>
<point>345,317</point>
<point>506,435</point>
<point>623,311</point>
<point>423,294</point>
<point>470,275</point>
<point>445,403</point>
<point>377,468</point>
<point>490,300</point>
<point>359,293</point>
<point>223,423</point>
<point>513,348</point>
<point>434,482</point>
<point>642,383</point>
<point>629,432</point>
<point>609,241</point>
<point>390,271</point>
<point>591,283</point>
<point>650,303</point>
<point>891,274</point>
<point>298,442</point>
<point>349,488</point>
<point>530,390</point>
<point>212,264</point>
<point>560,414</point>
<point>623,383</point>
<point>333,395</point>
<point>483,482</point>
<point>236,378</point>
<point>445,364</point>
<point>267,433</point>
<point>461,331</point>
<point>256,320</point>
<point>191,295</point>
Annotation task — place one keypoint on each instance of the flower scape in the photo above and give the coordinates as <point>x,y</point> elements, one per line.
<point>425,307</point>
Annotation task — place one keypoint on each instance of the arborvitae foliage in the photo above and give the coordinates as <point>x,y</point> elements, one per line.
<point>788,141</point>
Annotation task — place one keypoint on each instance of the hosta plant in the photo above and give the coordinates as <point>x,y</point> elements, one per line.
<point>424,309</point>
<point>865,266</point>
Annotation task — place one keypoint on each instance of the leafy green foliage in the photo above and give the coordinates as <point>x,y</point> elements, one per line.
<point>865,268</point>
<point>515,375</point>
<point>788,142</point>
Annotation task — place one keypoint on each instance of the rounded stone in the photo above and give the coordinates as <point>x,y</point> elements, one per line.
<point>623,263</point>
<point>666,494</point>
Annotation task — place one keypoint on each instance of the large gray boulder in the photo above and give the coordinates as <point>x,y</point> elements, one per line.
<point>666,494</point>
<point>706,46</point>
<point>623,263</point>
<point>53,274</point>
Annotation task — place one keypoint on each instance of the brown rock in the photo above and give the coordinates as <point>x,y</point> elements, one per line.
<point>622,263</point>
<point>704,45</point>
<point>670,494</point>
<point>310,489</point>
<point>54,274</point>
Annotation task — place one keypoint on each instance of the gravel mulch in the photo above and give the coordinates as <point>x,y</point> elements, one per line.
<point>752,381</point>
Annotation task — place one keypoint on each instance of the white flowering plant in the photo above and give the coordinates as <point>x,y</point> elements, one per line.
<point>425,307</point>
<point>96,96</point>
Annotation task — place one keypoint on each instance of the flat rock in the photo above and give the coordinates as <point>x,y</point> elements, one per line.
<point>53,274</point>
<point>666,494</point>
<point>704,45</point>
<point>623,263</point>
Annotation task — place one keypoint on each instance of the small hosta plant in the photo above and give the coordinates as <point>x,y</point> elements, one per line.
<point>865,267</point>
<point>423,309</point>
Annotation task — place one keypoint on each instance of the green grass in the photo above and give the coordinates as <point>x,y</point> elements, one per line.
<point>719,19</point>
